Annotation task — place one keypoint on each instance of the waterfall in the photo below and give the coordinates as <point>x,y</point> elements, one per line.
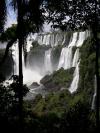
<point>35,71</point>
<point>29,76</point>
<point>74,84</point>
<point>94,95</point>
<point>47,61</point>
<point>15,54</point>
<point>39,39</point>
<point>74,39</point>
<point>81,39</point>
<point>64,40</point>
<point>66,54</point>
<point>65,58</point>
<point>76,58</point>
<point>44,39</point>
<point>82,36</point>
<point>58,39</point>
<point>52,39</point>
<point>68,58</point>
<point>66,61</point>
<point>62,58</point>
<point>29,41</point>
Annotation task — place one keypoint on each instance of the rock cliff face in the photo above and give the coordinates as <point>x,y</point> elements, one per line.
<point>6,68</point>
<point>59,80</point>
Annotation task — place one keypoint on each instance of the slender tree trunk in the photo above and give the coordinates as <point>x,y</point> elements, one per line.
<point>20,44</point>
<point>97,79</point>
<point>95,32</point>
<point>98,85</point>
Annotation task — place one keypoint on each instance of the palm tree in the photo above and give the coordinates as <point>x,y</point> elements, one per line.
<point>19,36</point>
<point>29,19</point>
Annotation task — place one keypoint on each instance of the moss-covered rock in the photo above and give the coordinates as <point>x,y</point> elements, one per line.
<point>87,67</point>
<point>59,79</point>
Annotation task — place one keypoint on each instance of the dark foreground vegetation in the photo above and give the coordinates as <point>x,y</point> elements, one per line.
<point>57,112</point>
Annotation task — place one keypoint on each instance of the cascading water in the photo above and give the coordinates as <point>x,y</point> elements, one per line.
<point>29,76</point>
<point>66,60</point>
<point>30,39</point>
<point>74,84</point>
<point>44,39</point>
<point>52,39</point>
<point>82,37</point>
<point>62,58</point>
<point>15,54</point>
<point>47,61</point>
<point>66,54</point>
<point>73,40</point>
<point>76,58</point>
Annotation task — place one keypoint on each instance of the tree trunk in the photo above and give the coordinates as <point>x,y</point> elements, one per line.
<point>20,44</point>
<point>95,32</point>
<point>98,82</point>
<point>97,77</point>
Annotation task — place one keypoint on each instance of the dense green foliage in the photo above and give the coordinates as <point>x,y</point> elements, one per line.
<point>61,112</point>
<point>8,34</point>
<point>59,79</point>
<point>57,103</point>
<point>81,14</point>
<point>87,67</point>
